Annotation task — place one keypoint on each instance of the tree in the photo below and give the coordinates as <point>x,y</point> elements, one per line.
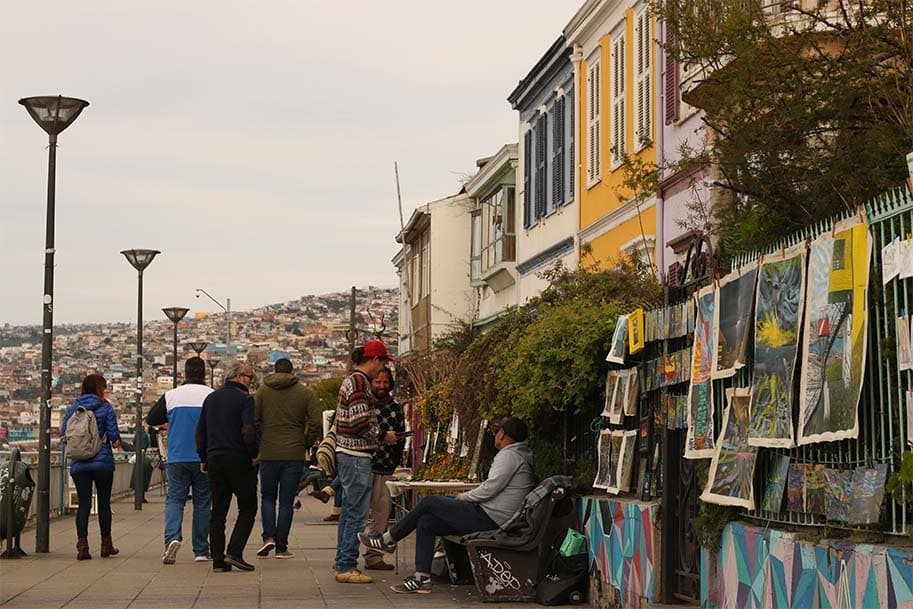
<point>327,392</point>
<point>810,111</point>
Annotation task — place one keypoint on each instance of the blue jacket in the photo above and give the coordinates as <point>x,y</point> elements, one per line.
<point>180,408</point>
<point>107,424</point>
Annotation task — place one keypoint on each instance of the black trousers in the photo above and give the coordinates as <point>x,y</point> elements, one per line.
<point>231,475</point>
<point>103,482</point>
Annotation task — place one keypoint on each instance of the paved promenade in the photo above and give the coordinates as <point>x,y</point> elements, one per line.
<point>137,579</point>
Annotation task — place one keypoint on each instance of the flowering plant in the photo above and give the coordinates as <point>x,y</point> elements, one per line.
<point>435,406</point>
<point>443,467</point>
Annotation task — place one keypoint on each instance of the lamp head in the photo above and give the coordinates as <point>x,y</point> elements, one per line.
<point>140,259</point>
<point>198,346</point>
<point>53,114</point>
<point>175,314</point>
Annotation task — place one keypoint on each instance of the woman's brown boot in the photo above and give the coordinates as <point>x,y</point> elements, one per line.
<point>107,547</point>
<point>82,549</point>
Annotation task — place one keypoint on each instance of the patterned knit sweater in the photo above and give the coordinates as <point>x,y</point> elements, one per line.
<point>357,430</point>
<point>388,456</point>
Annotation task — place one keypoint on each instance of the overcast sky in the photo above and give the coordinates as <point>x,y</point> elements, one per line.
<point>253,143</point>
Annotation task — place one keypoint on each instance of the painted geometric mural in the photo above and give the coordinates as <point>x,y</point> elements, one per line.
<point>620,540</point>
<point>768,569</point>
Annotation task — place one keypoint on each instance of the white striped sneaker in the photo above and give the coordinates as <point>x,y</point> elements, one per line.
<point>171,552</point>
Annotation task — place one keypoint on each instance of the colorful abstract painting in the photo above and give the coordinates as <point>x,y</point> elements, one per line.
<point>620,546</point>
<point>778,315</point>
<point>699,443</point>
<point>764,568</point>
<point>867,494</point>
<point>619,341</point>
<point>815,489</point>
<point>735,301</point>
<point>839,492</point>
<point>795,488</point>
<point>776,484</point>
<point>731,477</point>
<point>834,338</point>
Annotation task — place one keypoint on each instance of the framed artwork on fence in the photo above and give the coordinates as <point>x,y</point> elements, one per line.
<point>699,442</point>
<point>732,318</point>
<point>778,315</point>
<point>834,333</point>
<point>625,460</point>
<point>731,477</point>
<point>636,334</point>
<point>619,341</point>
<point>605,470</point>
<point>776,484</point>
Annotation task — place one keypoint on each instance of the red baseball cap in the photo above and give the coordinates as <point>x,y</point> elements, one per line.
<point>376,348</point>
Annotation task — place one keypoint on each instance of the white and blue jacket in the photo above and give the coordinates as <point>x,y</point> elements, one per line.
<point>180,408</point>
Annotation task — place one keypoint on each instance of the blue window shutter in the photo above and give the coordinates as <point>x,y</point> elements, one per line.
<point>527,181</point>
<point>541,167</point>
<point>570,108</point>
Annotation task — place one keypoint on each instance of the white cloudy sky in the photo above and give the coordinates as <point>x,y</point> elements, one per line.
<point>253,143</point>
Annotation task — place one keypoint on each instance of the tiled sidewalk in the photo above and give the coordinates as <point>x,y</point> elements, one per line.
<point>137,579</point>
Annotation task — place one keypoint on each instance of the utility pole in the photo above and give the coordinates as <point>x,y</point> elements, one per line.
<point>407,263</point>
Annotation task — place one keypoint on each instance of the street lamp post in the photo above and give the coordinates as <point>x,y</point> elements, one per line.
<point>175,314</point>
<point>140,259</point>
<point>227,313</point>
<point>198,347</point>
<point>53,114</point>
<point>213,362</point>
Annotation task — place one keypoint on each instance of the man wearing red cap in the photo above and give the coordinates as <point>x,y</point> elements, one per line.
<point>357,437</point>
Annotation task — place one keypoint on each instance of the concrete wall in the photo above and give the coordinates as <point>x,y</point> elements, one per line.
<point>451,295</point>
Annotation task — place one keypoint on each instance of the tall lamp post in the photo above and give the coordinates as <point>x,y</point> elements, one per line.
<point>175,314</point>
<point>140,259</point>
<point>227,312</point>
<point>53,114</point>
<point>213,362</point>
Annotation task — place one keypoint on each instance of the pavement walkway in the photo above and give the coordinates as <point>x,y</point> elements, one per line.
<point>137,579</point>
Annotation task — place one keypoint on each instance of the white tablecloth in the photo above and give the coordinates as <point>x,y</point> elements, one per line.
<point>398,487</point>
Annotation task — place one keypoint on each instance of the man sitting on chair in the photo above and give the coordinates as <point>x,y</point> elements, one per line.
<point>484,508</point>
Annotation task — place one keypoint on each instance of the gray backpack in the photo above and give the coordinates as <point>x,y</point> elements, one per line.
<point>82,438</point>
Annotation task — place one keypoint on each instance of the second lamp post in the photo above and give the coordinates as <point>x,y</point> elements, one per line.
<point>140,259</point>
<point>175,314</point>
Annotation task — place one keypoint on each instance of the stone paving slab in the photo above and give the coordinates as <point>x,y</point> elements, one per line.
<point>137,579</point>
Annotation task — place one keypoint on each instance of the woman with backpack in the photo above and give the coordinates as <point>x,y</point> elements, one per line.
<point>90,437</point>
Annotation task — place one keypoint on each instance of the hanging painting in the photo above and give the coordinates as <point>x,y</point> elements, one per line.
<point>778,314</point>
<point>867,494</point>
<point>625,460</point>
<point>699,443</point>
<point>735,300</point>
<point>839,493</point>
<point>636,335</point>
<point>776,484</point>
<point>795,488</point>
<point>731,477</point>
<point>605,472</point>
<point>619,341</point>
<point>834,340</point>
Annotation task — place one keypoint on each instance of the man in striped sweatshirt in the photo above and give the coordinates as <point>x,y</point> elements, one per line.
<point>357,437</point>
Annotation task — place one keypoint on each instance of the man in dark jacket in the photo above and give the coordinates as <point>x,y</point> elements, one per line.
<point>388,455</point>
<point>227,446</point>
<point>289,423</point>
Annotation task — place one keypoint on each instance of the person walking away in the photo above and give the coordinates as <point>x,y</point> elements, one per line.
<point>91,408</point>
<point>357,435</point>
<point>180,410</point>
<point>289,422</point>
<point>392,424</point>
<point>484,508</point>
<point>226,439</point>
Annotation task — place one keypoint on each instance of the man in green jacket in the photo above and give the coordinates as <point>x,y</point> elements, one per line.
<point>288,419</point>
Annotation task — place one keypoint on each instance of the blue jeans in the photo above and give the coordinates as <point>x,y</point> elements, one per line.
<point>278,479</point>
<point>355,475</point>
<point>181,478</point>
<point>336,485</point>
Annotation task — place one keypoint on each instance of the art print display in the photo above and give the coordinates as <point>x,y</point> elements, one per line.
<point>867,494</point>
<point>675,409</point>
<point>777,320</point>
<point>631,393</point>
<point>636,335</point>
<point>625,460</point>
<point>904,350</point>
<point>735,300</point>
<point>731,477</point>
<point>834,336</point>
<point>795,488</point>
<point>620,395</point>
<point>905,259</point>
<point>815,489</point>
<point>605,465</point>
<point>611,385</point>
<point>839,490</point>
<point>776,484</point>
<point>619,341</point>
<point>699,442</point>
<point>890,261</point>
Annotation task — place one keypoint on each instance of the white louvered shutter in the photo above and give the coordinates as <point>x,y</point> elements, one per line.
<point>594,126</point>
<point>618,100</point>
<point>643,51</point>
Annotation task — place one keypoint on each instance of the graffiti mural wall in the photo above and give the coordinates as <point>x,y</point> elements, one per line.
<point>620,542</point>
<point>768,569</point>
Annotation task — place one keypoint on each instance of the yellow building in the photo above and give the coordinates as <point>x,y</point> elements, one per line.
<point>614,59</point>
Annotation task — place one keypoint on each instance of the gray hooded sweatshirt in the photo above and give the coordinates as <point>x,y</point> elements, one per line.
<point>510,479</point>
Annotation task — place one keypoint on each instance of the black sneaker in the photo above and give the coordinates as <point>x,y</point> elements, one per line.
<point>413,585</point>
<point>234,561</point>
<point>374,541</point>
<point>266,548</point>
<point>220,567</point>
